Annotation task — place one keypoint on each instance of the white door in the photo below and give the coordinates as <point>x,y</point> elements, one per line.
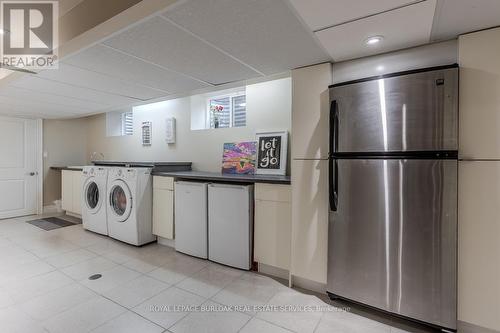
<point>18,167</point>
<point>191,218</point>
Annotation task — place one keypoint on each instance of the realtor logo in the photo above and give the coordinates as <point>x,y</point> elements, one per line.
<point>29,37</point>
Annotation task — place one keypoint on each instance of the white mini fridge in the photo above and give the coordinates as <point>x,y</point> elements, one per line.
<point>191,218</point>
<point>230,217</point>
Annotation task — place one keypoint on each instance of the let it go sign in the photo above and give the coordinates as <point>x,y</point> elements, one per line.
<point>272,151</point>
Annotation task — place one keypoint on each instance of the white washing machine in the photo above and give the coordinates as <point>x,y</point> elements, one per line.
<point>130,205</point>
<point>94,215</point>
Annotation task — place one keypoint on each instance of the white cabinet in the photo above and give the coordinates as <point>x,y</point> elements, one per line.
<point>479,243</point>
<point>163,207</point>
<point>479,95</point>
<point>310,219</point>
<point>310,111</point>
<point>273,225</point>
<point>72,188</point>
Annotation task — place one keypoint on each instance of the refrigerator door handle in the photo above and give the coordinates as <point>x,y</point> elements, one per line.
<point>334,128</point>
<point>332,164</point>
<point>333,178</point>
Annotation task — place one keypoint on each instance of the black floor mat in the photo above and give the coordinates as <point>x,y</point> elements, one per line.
<point>51,223</point>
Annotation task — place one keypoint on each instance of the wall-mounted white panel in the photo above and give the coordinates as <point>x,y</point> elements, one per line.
<point>105,60</point>
<point>323,13</point>
<point>87,79</point>
<point>455,17</point>
<point>162,43</point>
<point>46,86</point>
<point>266,34</point>
<point>438,54</point>
<point>402,28</point>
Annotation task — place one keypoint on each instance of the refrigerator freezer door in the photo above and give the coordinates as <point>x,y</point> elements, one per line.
<point>191,218</point>
<point>416,112</point>
<point>230,218</point>
<point>392,240</point>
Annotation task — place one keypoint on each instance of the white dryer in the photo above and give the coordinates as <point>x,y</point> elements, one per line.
<point>130,205</point>
<point>94,215</point>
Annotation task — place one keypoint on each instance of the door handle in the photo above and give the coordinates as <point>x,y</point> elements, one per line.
<point>333,180</point>
<point>32,173</point>
<point>332,163</point>
<point>334,128</point>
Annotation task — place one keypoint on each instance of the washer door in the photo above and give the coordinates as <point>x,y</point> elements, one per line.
<point>120,200</point>
<point>92,196</point>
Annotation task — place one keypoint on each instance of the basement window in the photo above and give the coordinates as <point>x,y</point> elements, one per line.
<point>127,123</point>
<point>227,111</point>
<point>120,123</point>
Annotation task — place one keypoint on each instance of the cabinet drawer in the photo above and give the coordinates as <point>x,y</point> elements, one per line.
<point>166,183</point>
<point>272,192</point>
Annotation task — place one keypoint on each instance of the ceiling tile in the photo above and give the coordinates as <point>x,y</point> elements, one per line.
<point>455,17</point>
<point>105,60</point>
<point>51,87</point>
<point>68,103</point>
<point>162,43</point>
<point>265,34</point>
<point>320,14</point>
<point>405,27</point>
<point>26,107</point>
<point>87,79</point>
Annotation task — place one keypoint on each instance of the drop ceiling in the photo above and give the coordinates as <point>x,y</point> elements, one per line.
<point>199,44</point>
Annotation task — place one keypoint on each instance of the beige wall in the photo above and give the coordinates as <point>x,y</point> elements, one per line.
<point>479,180</point>
<point>268,108</point>
<point>64,143</point>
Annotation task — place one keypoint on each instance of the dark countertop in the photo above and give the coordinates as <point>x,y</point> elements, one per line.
<point>214,176</point>
<point>59,168</point>
<point>140,164</point>
<point>157,166</point>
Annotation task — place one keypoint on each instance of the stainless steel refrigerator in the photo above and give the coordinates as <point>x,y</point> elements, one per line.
<point>392,238</point>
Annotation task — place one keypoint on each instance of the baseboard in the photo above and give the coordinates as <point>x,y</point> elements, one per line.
<point>166,242</point>
<point>74,215</point>
<point>308,284</point>
<point>273,271</point>
<point>50,209</point>
<point>464,327</point>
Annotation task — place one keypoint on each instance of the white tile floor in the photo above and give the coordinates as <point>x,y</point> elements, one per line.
<point>44,287</point>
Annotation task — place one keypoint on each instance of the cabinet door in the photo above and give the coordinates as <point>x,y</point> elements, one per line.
<point>310,219</point>
<point>67,190</point>
<point>273,226</point>
<point>479,97</point>
<point>479,242</point>
<point>163,213</point>
<point>310,111</point>
<point>77,192</point>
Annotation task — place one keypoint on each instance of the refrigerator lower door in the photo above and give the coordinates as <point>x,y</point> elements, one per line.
<point>230,218</point>
<point>191,219</point>
<point>393,238</point>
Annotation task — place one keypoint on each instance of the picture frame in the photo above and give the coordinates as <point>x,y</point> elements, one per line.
<point>272,152</point>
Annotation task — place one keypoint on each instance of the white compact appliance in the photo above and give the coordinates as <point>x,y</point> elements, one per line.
<point>230,216</point>
<point>94,199</point>
<point>191,218</point>
<point>130,205</point>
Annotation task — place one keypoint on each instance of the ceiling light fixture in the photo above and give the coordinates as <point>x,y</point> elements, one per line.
<point>374,40</point>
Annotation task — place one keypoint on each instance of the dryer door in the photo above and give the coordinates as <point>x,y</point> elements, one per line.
<point>92,196</point>
<point>120,200</point>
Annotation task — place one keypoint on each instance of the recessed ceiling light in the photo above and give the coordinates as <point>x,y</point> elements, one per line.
<point>380,68</point>
<point>374,40</point>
